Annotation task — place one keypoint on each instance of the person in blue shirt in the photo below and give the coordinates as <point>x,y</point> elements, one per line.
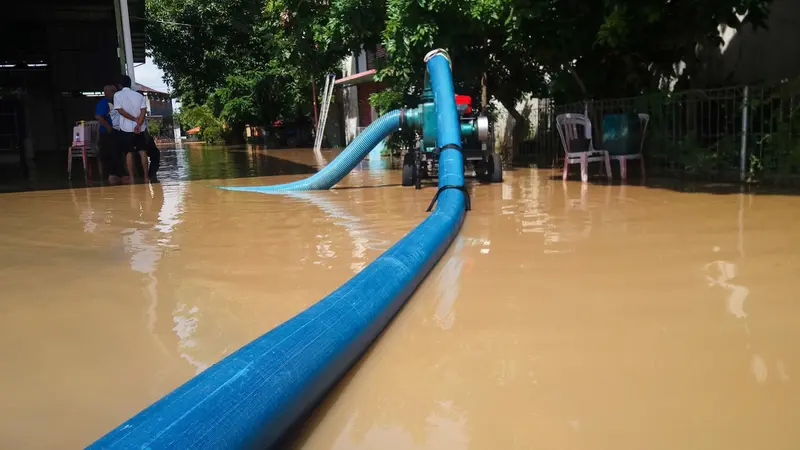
<point>110,160</point>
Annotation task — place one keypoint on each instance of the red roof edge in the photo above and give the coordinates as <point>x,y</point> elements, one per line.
<point>356,76</point>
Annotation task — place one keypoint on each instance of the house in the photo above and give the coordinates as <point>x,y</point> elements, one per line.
<point>159,108</point>
<point>357,85</point>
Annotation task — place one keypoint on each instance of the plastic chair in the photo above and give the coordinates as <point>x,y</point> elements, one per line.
<point>578,148</point>
<point>85,150</point>
<point>644,119</point>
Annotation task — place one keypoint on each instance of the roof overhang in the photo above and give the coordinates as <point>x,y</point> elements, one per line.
<point>33,20</point>
<point>359,78</point>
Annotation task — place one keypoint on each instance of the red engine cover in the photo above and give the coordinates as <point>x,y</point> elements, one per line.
<point>464,100</point>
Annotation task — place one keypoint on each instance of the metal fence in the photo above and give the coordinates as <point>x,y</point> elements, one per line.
<point>749,133</point>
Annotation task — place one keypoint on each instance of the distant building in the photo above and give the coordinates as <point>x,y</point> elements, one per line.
<point>159,108</point>
<point>357,85</point>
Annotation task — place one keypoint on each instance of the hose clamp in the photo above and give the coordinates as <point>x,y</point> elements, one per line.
<point>439,51</point>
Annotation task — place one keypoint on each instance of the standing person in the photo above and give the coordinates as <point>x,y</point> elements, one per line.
<point>153,153</point>
<point>132,110</point>
<point>109,159</point>
<point>119,155</point>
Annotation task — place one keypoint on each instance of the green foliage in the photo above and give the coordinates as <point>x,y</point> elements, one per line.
<point>777,154</point>
<point>154,127</point>
<point>199,43</point>
<point>238,57</point>
<point>211,128</point>
<point>252,61</point>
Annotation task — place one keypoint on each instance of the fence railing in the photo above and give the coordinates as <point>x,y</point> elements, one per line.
<point>749,132</point>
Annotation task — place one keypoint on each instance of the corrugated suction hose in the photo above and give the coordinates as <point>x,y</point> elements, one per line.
<point>331,174</point>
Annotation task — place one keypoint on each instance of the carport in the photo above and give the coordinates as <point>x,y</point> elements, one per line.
<point>55,56</point>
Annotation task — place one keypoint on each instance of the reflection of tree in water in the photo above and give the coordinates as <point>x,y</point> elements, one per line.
<point>209,162</point>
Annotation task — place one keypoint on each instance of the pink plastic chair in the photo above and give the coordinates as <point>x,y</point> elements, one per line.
<point>576,137</point>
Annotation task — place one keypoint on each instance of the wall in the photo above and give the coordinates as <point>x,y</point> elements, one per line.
<point>350,105</point>
<point>528,107</point>
<point>334,126</point>
<point>349,100</point>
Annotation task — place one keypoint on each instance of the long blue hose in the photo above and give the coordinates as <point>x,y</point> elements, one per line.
<point>342,165</point>
<point>252,397</point>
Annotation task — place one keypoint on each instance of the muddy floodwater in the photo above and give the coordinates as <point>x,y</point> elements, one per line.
<point>564,316</point>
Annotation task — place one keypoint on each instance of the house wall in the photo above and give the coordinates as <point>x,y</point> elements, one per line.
<point>334,125</point>
<point>504,124</point>
<point>349,96</point>
<point>356,110</point>
<point>350,108</point>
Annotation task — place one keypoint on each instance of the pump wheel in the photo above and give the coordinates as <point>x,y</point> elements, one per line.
<point>409,169</point>
<point>495,171</point>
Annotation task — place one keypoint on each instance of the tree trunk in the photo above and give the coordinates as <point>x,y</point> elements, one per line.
<point>236,136</point>
<point>578,80</point>
<point>484,95</point>
<point>519,132</point>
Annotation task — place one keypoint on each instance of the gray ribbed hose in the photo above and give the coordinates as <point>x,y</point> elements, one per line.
<point>343,164</point>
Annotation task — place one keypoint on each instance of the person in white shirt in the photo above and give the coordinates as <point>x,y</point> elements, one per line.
<point>119,153</point>
<point>132,110</point>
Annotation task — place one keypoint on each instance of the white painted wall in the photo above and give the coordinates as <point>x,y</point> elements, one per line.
<point>350,97</point>
<point>503,125</point>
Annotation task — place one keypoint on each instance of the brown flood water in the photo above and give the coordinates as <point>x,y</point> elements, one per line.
<point>562,317</point>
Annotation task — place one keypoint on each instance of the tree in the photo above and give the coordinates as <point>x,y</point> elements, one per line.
<point>255,59</point>
<point>235,57</point>
<point>568,49</point>
<point>199,43</point>
<point>201,116</point>
<point>154,128</point>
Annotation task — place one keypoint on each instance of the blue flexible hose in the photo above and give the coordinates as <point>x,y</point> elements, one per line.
<point>338,168</point>
<point>251,398</point>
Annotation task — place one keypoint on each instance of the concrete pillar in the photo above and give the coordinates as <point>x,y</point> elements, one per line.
<point>126,39</point>
<point>120,38</point>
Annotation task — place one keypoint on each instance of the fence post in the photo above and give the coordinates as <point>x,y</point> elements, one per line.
<point>588,130</point>
<point>743,153</point>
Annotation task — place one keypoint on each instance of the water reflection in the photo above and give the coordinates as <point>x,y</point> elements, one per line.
<point>445,430</point>
<point>338,206</point>
<point>725,273</point>
<point>520,338</point>
<point>447,285</point>
<point>191,161</point>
